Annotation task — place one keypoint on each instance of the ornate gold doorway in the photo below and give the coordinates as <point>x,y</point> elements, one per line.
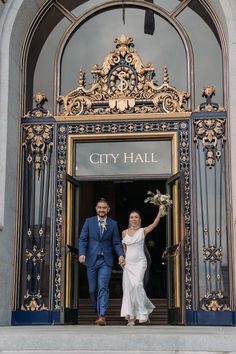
<point>111,131</point>
<point>122,168</point>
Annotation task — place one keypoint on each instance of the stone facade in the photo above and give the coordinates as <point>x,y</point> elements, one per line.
<point>15,19</point>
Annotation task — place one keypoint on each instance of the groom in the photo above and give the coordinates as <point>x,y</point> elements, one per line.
<point>98,237</point>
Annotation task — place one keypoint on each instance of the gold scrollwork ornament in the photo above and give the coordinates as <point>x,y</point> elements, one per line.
<point>210,131</point>
<point>123,84</point>
<point>214,302</point>
<point>38,139</point>
<point>33,303</point>
<point>208,92</point>
<point>39,111</point>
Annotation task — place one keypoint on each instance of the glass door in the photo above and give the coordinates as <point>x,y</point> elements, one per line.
<point>175,251</point>
<point>70,259</point>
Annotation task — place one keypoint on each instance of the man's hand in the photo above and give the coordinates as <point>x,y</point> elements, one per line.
<point>82,259</point>
<point>121,261</point>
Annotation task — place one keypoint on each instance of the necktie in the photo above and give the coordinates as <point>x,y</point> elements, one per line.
<point>102,226</point>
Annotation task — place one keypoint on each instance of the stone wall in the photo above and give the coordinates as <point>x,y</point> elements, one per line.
<point>14,22</point>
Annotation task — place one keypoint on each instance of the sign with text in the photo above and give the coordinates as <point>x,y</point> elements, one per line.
<point>122,158</point>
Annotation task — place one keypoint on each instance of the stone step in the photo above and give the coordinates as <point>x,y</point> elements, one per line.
<point>117,340</point>
<point>109,352</point>
<point>87,316</point>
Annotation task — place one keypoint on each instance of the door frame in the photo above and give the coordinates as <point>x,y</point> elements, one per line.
<point>69,313</point>
<point>176,248</point>
<point>173,136</point>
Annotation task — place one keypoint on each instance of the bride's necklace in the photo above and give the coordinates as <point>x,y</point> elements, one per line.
<point>134,227</point>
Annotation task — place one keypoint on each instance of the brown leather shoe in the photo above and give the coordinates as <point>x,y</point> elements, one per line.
<point>101,321</point>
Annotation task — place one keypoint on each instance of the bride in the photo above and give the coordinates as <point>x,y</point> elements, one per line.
<point>135,304</point>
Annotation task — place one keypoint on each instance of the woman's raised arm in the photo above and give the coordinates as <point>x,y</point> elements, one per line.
<point>155,222</point>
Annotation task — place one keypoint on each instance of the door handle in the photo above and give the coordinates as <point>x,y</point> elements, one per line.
<point>73,251</point>
<point>171,251</point>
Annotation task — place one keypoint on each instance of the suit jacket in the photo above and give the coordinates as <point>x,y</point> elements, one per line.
<point>91,241</point>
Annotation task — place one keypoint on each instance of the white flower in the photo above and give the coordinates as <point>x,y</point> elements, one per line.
<point>159,199</point>
<point>103,225</point>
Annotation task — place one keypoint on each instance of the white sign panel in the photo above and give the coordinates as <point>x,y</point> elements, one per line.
<point>123,158</point>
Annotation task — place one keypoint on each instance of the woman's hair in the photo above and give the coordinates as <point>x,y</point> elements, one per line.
<point>135,211</point>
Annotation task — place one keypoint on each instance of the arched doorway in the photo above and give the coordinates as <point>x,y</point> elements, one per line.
<point>101,116</point>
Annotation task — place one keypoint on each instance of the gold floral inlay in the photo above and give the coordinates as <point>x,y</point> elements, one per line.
<point>38,141</point>
<point>210,131</point>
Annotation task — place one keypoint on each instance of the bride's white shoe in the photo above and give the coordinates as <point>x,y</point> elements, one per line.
<point>145,321</point>
<point>131,323</point>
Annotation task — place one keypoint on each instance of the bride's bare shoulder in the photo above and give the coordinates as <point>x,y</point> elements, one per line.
<point>124,232</point>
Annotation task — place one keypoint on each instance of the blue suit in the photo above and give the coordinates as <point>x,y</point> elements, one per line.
<point>93,243</point>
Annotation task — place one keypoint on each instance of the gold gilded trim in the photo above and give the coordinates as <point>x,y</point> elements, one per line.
<point>124,117</point>
<point>68,241</point>
<point>208,92</point>
<point>173,130</point>
<point>177,277</point>
<point>173,136</point>
<point>39,111</point>
<point>210,132</point>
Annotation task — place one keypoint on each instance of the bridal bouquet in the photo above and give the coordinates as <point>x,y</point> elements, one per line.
<point>159,199</point>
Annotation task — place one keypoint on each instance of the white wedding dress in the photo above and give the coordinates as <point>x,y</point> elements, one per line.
<point>135,304</point>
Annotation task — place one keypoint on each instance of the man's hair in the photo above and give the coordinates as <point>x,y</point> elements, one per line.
<point>103,200</point>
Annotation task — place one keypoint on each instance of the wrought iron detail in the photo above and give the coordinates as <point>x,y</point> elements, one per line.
<point>61,170</point>
<point>114,128</point>
<point>123,84</point>
<point>33,303</point>
<point>214,302</point>
<point>37,145</point>
<point>209,134</point>
<point>209,106</point>
<point>184,165</point>
<point>39,111</point>
<point>210,131</point>
<point>117,128</point>
<point>38,139</point>
<point>212,254</point>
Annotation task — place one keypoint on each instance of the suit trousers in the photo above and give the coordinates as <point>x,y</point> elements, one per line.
<point>98,281</point>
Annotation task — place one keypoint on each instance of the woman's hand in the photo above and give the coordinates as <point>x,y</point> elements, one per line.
<point>161,208</point>
<point>121,261</point>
